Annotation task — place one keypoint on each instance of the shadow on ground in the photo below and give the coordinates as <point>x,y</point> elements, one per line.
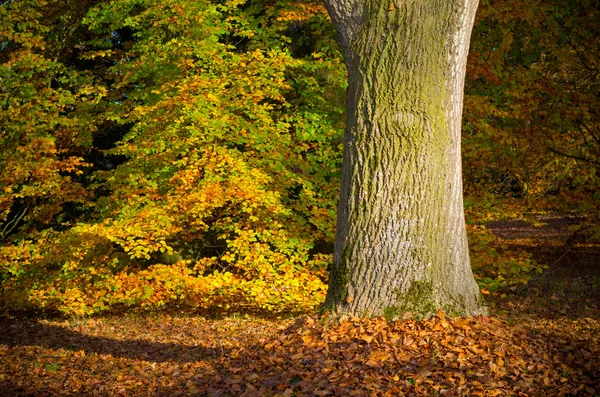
<point>19,333</point>
<point>543,341</point>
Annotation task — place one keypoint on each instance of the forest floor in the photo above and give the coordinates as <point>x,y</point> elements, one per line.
<point>542,339</point>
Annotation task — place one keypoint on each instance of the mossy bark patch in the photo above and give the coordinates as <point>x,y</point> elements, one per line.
<point>419,302</point>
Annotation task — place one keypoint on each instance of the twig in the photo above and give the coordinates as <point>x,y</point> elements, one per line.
<point>545,274</point>
<point>572,156</point>
<point>12,224</point>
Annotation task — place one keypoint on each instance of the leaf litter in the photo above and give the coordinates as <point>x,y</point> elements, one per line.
<point>543,340</point>
<point>312,356</point>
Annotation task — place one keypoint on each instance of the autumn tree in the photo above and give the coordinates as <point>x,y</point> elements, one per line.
<point>45,107</point>
<point>191,142</point>
<point>531,99</point>
<point>401,244</point>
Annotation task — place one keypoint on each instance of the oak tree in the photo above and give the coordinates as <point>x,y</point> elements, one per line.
<point>401,244</point>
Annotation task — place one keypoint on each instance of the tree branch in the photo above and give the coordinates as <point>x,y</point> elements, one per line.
<point>345,15</point>
<point>13,224</point>
<point>572,156</point>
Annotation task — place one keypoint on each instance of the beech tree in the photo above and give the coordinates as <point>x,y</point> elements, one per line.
<point>401,243</point>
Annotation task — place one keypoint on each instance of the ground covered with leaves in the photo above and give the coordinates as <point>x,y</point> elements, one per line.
<point>543,339</point>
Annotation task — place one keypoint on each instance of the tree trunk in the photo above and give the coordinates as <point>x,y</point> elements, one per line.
<point>401,243</point>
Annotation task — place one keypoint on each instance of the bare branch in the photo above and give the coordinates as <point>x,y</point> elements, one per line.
<point>572,156</point>
<point>12,224</point>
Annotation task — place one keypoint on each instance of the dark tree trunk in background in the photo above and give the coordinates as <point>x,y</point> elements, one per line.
<point>401,241</point>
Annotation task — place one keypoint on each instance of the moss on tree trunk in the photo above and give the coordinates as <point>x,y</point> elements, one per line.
<point>401,241</point>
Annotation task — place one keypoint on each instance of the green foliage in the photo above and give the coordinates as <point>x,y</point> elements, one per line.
<point>45,118</point>
<point>226,154</point>
<point>499,268</point>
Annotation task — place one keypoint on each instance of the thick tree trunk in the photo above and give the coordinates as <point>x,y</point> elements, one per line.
<point>401,241</point>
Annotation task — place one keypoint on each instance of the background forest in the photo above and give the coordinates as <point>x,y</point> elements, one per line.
<point>186,153</point>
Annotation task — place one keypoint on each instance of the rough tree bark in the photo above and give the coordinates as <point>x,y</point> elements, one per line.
<point>401,241</point>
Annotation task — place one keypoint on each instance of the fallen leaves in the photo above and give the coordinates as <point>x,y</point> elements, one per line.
<point>164,355</point>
